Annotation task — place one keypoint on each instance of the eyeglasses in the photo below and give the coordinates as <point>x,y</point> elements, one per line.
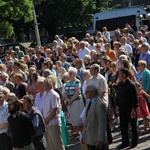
<point>70,72</point>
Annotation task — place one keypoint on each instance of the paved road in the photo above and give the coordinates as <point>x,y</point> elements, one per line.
<point>144,141</point>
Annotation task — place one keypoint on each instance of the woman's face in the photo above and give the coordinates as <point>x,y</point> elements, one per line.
<point>32,77</point>
<point>113,67</point>
<point>86,60</point>
<point>57,65</point>
<point>72,75</point>
<point>86,77</point>
<point>65,79</point>
<point>103,64</point>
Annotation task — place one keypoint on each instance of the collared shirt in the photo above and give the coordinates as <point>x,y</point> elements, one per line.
<point>139,77</point>
<point>39,99</point>
<point>93,100</point>
<point>83,52</point>
<point>4,115</point>
<point>146,57</point>
<point>51,101</point>
<point>101,83</point>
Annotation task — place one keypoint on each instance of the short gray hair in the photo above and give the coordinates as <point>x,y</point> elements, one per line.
<point>72,69</point>
<point>66,74</point>
<point>93,88</point>
<point>87,72</point>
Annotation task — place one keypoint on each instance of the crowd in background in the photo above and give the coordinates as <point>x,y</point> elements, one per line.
<point>49,87</point>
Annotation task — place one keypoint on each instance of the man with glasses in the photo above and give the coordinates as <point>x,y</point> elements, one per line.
<point>94,130</point>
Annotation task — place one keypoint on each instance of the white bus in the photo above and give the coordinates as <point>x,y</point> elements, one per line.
<point>135,16</point>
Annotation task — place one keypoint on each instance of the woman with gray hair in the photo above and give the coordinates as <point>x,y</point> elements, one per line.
<point>86,76</point>
<point>74,98</point>
<point>59,69</point>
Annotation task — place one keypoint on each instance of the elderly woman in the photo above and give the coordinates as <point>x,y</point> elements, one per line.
<point>74,98</point>
<point>87,61</point>
<point>59,69</point>
<point>86,76</point>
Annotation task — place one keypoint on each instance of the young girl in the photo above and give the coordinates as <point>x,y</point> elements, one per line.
<point>142,110</point>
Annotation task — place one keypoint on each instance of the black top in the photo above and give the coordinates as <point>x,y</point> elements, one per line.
<point>39,63</point>
<point>127,95</point>
<point>20,91</point>
<point>21,130</point>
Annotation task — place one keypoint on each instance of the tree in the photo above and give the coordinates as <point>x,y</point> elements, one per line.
<point>59,13</point>
<point>11,12</point>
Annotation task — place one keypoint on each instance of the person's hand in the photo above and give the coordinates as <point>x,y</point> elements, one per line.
<point>69,102</point>
<point>99,144</point>
<point>110,83</point>
<point>46,121</point>
<point>133,113</point>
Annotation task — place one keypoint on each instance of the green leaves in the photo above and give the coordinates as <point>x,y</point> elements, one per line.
<point>11,11</point>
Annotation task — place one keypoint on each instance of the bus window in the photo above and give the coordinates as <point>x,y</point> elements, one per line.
<point>115,23</point>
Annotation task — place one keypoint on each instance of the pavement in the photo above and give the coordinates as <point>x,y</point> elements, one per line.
<point>143,144</point>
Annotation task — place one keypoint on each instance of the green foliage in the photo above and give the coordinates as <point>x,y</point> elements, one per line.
<point>69,12</point>
<point>12,11</point>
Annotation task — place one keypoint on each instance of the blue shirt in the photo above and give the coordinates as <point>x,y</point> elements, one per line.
<point>146,57</point>
<point>4,115</point>
<point>139,76</point>
<point>93,100</point>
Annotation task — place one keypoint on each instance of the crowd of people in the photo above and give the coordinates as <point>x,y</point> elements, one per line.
<point>88,86</point>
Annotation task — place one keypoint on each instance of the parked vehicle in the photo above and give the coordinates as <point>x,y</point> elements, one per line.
<point>136,16</point>
<point>12,46</point>
<point>45,41</point>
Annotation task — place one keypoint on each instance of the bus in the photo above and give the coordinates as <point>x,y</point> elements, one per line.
<point>135,16</point>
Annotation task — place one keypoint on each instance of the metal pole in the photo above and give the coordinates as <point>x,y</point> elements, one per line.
<point>36,28</point>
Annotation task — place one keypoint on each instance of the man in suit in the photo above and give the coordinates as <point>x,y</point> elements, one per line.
<point>5,82</point>
<point>94,130</point>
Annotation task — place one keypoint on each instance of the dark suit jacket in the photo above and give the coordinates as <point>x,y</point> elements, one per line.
<point>10,86</point>
<point>20,91</point>
<point>95,123</point>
